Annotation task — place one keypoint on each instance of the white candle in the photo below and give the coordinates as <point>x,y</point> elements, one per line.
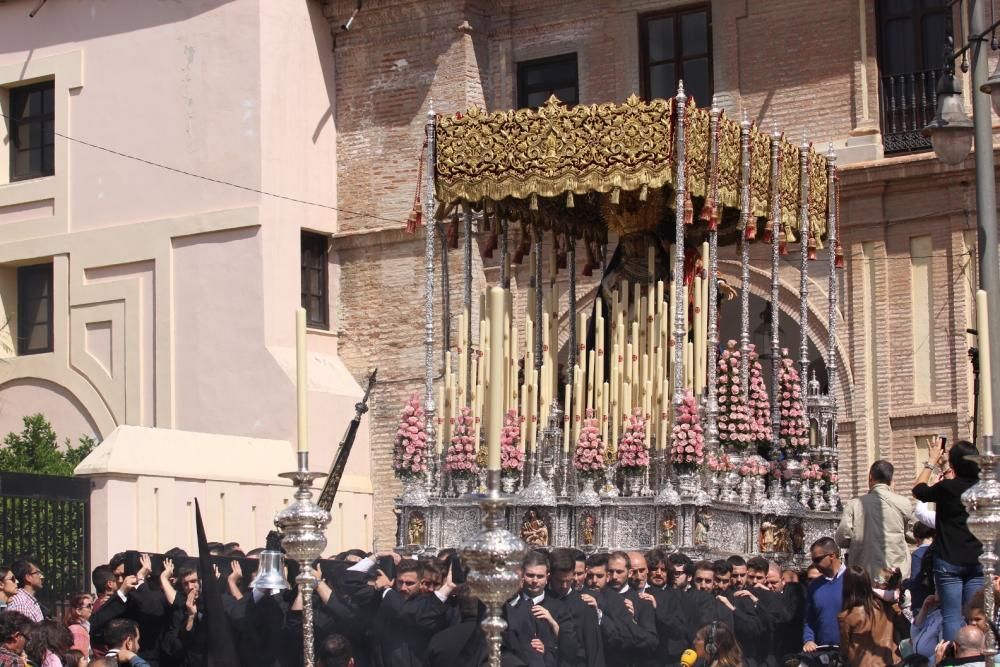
<point>495,416</point>
<point>568,389</point>
<point>985,391</point>
<point>301,381</point>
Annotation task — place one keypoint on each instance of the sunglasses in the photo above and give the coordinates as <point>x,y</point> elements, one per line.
<point>819,559</point>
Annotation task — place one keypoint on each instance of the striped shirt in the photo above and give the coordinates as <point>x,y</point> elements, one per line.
<point>25,603</point>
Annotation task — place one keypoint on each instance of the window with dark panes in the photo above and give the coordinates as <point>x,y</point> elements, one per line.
<point>537,80</point>
<point>912,37</point>
<point>315,297</point>
<point>32,131</point>
<point>677,45</point>
<point>34,309</point>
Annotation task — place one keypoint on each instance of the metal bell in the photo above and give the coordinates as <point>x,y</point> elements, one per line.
<point>270,574</point>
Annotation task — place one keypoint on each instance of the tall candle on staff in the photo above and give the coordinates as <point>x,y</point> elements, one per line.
<point>985,391</point>
<point>494,417</point>
<point>301,381</point>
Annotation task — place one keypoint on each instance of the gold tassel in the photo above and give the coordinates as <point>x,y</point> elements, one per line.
<point>643,192</point>
<point>615,194</point>
<point>569,200</point>
<point>533,204</point>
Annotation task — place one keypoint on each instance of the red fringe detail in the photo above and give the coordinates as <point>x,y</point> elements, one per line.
<point>750,232</point>
<point>767,236</point>
<point>783,248</point>
<point>588,269</point>
<point>838,260</point>
<point>561,261</point>
<point>688,210</point>
<point>811,252</point>
<point>707,213</point>
<point>415,219</point>
<point>452,235</point>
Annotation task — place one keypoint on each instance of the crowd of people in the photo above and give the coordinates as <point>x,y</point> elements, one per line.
<point>889,604</point>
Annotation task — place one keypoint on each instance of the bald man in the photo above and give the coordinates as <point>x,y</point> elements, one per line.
<point>966,650</point>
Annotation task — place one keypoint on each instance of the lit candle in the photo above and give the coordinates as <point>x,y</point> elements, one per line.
<point>985,391</point>
<point>494,422</point>
<point>301,381</point>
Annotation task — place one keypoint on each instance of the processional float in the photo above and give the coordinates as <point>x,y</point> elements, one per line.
<point>646,430</point>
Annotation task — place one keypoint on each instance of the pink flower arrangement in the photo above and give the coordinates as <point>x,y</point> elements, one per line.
<point>754,467</point>
<point>812,472</point>
<point>735,429</point>
<point>687,439</point>
<point>511,456</point>
<point>409,456</point>
<point>779,470</point>
<point>588,457</point>
<point>794,428</point>
<point>632,448</point>
<point>460,459</point>
<point>719,463</point>
<point>831,476</point>
<point>760,403</point>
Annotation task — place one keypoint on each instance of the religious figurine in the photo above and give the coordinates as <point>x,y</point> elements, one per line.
<point>534,531</point>
<point>702,523</point>
<point>767,537</point>
<point>781,541</point>
<point>415,529</point>
<point>668,527</point>
<point>588,529</point>
<point>799,538</point>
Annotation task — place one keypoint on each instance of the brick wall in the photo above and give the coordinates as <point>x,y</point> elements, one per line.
<point>792,63</point>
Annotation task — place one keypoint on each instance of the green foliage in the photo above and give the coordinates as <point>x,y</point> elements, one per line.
<point>35,450</point>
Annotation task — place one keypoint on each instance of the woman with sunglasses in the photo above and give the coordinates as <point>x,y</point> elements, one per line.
<point>77,619</point>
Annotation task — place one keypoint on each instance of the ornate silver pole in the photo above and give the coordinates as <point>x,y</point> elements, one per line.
<point>467,295</point>
<point>804,259</point>
<point>303,536</point>
<point>983,504</point>
<point>680,292</point>
<point>831,237</point>
<point>493,557</point>
<point>429,229</point>
<point>712,404</point>
<point>777,232</point>
<point>746,219</point>
<point>539,292</point>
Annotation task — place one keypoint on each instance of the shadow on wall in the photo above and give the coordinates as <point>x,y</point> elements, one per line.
<point>27,396</point>
<point>64,22</point>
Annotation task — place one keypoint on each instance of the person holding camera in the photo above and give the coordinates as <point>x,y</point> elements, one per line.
<point>966,650</point>
<point>957,572</point>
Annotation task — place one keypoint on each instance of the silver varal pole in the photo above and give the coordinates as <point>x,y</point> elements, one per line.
<point>429,228</point>
<point>777,233</point>
<point>832,296</point>
<point>804,262</point>
<point>467,293</point>
<point>746,219</point>
<point>712,404</point>
<point>679,294</point>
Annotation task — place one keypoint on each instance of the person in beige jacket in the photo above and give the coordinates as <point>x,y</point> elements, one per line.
<point>874,526</point>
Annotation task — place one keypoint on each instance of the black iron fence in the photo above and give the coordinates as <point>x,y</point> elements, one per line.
<point>46,519</point>
<point>907,103</point>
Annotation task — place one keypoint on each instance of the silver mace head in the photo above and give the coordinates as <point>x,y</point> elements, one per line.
<point>303,523</point>
<point>493,556</point>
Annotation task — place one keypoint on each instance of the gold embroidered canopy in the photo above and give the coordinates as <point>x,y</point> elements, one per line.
<point>575,169</point>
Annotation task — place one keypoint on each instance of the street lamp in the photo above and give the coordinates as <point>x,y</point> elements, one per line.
<point>951,130</point>
<point>992,88</point>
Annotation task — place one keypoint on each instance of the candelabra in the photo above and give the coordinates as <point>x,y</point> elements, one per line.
<point>540,490</point>
<point>983,504</point>
<point>303,535</point>
<point>493,555</point>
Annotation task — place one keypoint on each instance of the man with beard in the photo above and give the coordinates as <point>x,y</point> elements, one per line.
<point>750,624</point>
<point>659,569</point>
<point>678,614</point>
<point>644,640</point>
<point>579,569</point>
<point>539,627</point>
<point>590,648</point>
<point>619,629</point>
<point>680,563</point>
<point>703,585</point>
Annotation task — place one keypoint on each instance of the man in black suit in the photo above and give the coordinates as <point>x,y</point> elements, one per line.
<point>641,620</point>
<point>793,605</point>
<point>539,627</point>
<point>752,619</point>
<point>562,577</point>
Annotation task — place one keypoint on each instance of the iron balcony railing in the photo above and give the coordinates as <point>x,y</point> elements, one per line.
<point>907,104</point>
